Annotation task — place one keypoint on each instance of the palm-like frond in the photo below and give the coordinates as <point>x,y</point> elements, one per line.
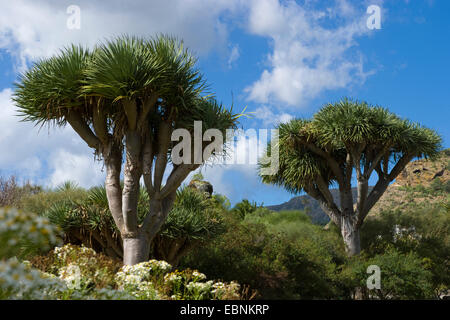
<point>52,86</point>
<point>337,129</point>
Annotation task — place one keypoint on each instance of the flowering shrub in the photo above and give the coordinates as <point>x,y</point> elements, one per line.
<point>151,280</point>
<point>20,281</point>
<point>74,272</point>
<point>82,268</point>
<point>139,279</point>
<point>188,284</point>
<point>23,233</point>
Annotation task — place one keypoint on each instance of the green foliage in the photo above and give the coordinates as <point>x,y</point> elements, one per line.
<point>52,86</point>
<point>193,216</point>
<point>403,275</point>
<point>82,84</point>
<point>438,186</point>
<point>41,201</point>
<point>264,252</point>
<point>85,218</point>
<point>424,231</point>
<point>244,208</point>
<point>340,128</point>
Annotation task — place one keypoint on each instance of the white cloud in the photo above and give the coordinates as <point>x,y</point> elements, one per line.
<point>80,168</point>
<point>270,118</point>
<point>32,29</point>
<point>234,55</point>
<point>307,57</point>
<point>35,154</point>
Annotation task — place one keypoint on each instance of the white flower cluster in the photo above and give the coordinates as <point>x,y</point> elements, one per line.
<point>84,255</point>
<point>200,286</point>
<point>172,277</point>
<point>19,229</point>
<point>231,290</point>
<point>19,281</point>
<point>137,279</point>
<point>190,284</point>
<point>142,271</point>
<point>160,266</point>
<point>198,276</point>
<point>71,275</point>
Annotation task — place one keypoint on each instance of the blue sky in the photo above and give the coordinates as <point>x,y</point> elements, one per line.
<point>281,59</point>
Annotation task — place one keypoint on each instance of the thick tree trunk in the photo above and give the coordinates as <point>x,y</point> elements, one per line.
<point>350,234</point>
<point>136,250</point>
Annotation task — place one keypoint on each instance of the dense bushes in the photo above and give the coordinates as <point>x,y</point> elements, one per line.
<point>283,256</point>
<point>264,250</point>
<point>403,276</point>
<point>424,231</point>
<point>272,255</point>
<point>86,220</point>
<point>74,272</point>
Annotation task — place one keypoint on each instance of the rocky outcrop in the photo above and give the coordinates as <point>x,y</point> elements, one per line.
<point>202,186</point>
<point>415,184</point>
<point>424,171</point>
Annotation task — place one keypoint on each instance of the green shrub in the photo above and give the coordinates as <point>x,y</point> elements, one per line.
<point>263,253</point>
<point>86,220</point>
<point>424,231</point>
<point>403,276</point>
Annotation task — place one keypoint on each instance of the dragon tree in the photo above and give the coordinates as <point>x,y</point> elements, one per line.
<point>343,141</point>
<point>125,98</point>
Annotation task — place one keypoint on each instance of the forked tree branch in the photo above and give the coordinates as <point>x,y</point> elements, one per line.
<point>331,162</point>
<point>83,130</point>
<point>99,121</point>
<point>161,156</point>
<point>330,208</point>
<point>148,106</point>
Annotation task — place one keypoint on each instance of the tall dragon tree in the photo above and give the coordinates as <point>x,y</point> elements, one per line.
<point>343,141</point>
<point>125,98</point>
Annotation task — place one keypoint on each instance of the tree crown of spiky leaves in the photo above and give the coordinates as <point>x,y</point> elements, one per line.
<point>126,68</point>
<point>343,129</point>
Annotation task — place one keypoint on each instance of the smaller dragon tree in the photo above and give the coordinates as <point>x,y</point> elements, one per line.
<point>342,139</point>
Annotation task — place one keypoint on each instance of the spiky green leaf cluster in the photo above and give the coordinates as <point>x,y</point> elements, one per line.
<point>125,68</point>
<point>337,129</point>
<point>52,86</point>
<point>192,216</point>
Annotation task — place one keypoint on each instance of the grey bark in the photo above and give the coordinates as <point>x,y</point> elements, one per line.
<point>136,249</point>
<point>350,234</point>
<point>113,163</point>
<point>132,174</point>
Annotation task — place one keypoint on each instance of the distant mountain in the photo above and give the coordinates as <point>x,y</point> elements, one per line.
<point>310,205</point>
